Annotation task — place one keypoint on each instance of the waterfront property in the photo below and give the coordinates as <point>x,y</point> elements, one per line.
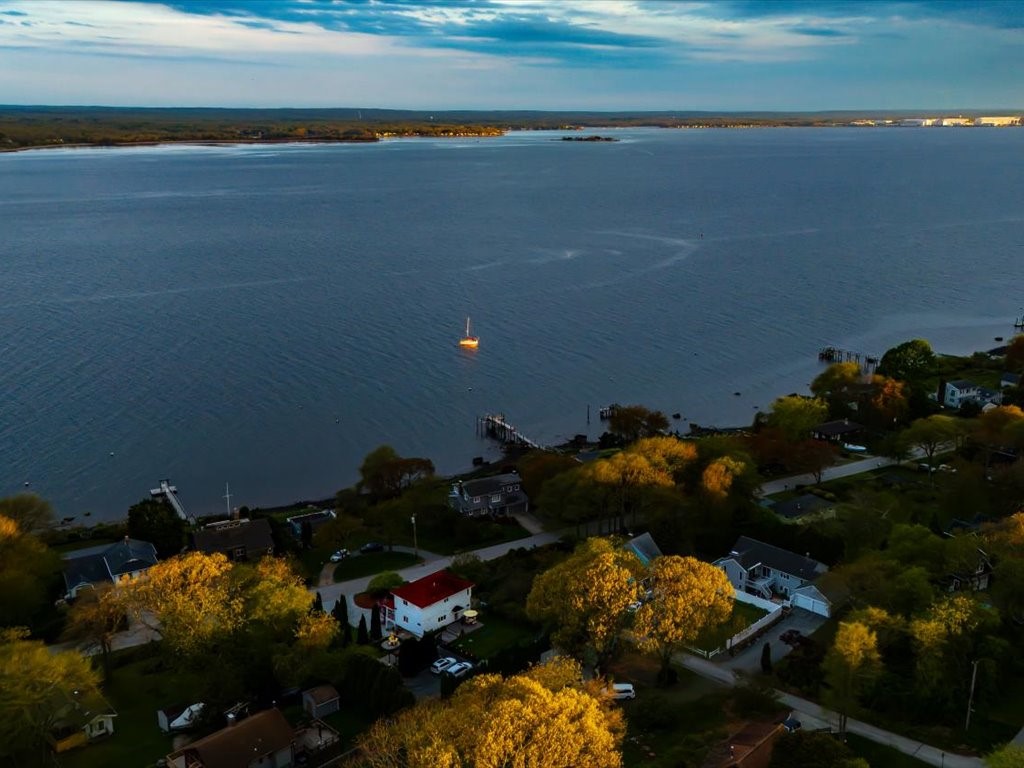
<point>106,563</point>
<point>315,520</point>
<point>836,431</point>
<point>427,604</point>
<point>238,539</point>
<point>954,394</point>
<point>496,496</point>
<point>765,570</point>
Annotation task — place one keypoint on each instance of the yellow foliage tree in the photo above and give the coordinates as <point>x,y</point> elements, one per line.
<point>627,474</point>
<point>274,594</point>
<point>718,476</point>
<point>586,597</point>
<point>518,722</point>
<point>852,661</point>
<point>669,456</point>
<point>192,598</point>
<point>689,597</point>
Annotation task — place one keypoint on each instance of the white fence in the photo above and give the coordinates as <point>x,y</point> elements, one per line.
<point>760,602</point>
<point>774,615</point>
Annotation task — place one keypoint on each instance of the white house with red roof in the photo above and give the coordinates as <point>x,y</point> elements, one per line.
<point>427,604</point>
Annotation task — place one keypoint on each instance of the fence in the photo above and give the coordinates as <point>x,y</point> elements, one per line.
<point>773,617</point>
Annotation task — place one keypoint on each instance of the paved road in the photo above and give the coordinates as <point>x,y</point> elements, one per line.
<point>923,752</point>
<point>832,473</point>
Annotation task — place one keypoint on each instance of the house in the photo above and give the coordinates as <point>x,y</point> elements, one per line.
<point>316,520</point>
<point>970,579</point>
<point>750,747</point>
<point>265,740</point>
<point>801,506</point>
<point>495,496</point>
<point>238,539</point>
<point>822,597</point>
<point>1008,380</point>
<point>644,547</point>
<point>427,604</point>
<point>78,722</point>
<point>107,563</point>
<point>765,570</point>
<point>321,701</point>
<point>836,431</point>
<point>954,394</point>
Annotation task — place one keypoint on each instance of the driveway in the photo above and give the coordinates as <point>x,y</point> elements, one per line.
<point>748,661</point>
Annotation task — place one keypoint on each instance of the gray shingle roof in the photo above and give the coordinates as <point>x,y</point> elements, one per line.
<point>95,565</point>
<point>644,547</point>
<point>254,535</point>
<point>800,506</point>
<point>750,552</point>
<point>486,485</point>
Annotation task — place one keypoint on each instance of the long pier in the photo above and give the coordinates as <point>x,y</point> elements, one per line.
<point>868,363</point>
<point>495,426</point>
<point>170,492</point>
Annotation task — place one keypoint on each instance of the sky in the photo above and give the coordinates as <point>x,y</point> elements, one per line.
<point>726,55</point>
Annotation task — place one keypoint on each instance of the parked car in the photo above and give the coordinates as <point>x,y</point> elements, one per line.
<point>634,606</point>
<point>371,546</point>
<point>620,691</point>
<point>460,669</point>
<point>441,665</point>
<point>340,555</point>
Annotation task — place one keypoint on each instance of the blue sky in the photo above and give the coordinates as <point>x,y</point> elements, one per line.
<point>515,54</point>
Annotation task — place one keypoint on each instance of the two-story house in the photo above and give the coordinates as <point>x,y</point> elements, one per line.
<point>107,563</point>
<point>765,570</point>
<point>496,496</point>
<point>238,539</point>
<point>427,604</point>
<point>954,394</point>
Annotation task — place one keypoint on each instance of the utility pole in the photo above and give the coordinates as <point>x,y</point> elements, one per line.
<point>227,498</point>
<point>415,543</point>
<point>970,699</point>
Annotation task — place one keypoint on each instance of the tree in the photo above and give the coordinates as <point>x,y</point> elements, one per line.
<point>384,582</point>
<point>95,617</point>
<point>192,599</point>
<point>839,385</point>
<point>717,478</point>
<point>27,568</point>
<point>336,533</point>
<point>537,467</point>
<point>32,513</point>
<point>689,597</point>
<point>813,456</point>
<point>340,614</point>
<point>631,422</point>
<point>536,719</point>
<point>912,361</point>
<point>811,749</point>
<point>155,521</point>
<point>375,630</point>
<point>318,603</point>
<point>362,636</point>
<point>38,685</point>
<point>626,475</point>
<point>850,664</point>
<point>766,658</point>
<point>796,416</point>
<point>586,597</point>
<point>1015,354</point>
<point>384,473</point>
<point>931,434</point>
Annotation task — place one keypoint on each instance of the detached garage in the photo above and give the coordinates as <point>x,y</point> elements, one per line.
<point>820,598</point>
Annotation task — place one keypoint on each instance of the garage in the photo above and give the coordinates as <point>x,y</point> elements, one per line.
<point>811,599</point>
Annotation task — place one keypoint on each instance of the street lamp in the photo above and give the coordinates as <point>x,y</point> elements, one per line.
<point>415,543</point>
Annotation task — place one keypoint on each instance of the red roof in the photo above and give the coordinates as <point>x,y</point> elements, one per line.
<point>432,589</point>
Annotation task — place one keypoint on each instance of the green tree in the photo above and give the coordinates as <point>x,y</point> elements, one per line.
<point>384,473</point>
<point>362,634</point>
<point>689,597</point>
<point>851,663</point>
<point>796,416</point>
<point>155,521</point>
<point>1015,354</point>
<point>384,582</point>
<point>932,434</point>
<point>912,361</point>
<point>27,570</point>
<point>810,749</point>
<point>631,422</point>
<point>38,686</point>
<point>1010,756</point>
<point>31,512</point>
<point>840,385</point>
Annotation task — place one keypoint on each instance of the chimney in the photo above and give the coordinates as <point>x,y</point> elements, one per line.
<point>234,513</point>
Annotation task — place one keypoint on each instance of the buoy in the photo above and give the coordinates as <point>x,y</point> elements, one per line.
<point>736,393</point>
<point>111,453</point>
<point>26,483</point>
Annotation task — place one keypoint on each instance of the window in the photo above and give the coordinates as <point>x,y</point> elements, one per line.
<point>405,619</point>
<point>496,498</point>
<point>440,619</point>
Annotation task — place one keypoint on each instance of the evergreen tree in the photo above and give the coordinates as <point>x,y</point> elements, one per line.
<point>318,603</point>
<point>340,611</point>
<point>376,635</point>
<point>766,659</point>
<point>362,636</point>
<point>346,635</point>
<point>307,534</point>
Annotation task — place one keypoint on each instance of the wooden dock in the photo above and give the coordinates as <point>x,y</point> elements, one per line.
<point>170,492</point>
<point>497,427</point>
<point>868,363</point>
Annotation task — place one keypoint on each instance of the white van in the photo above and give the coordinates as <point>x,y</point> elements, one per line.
<point>621,691</point>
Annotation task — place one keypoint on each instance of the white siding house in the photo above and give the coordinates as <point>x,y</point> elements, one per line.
<point>768,571</point>
<point>427,604</point>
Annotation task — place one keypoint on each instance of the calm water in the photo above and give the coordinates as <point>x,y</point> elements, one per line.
<point>268,315</point>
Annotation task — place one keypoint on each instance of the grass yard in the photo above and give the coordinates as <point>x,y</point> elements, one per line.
<point>743,615</point>
<point>495,634</point>
<point>879,755</point>
<point>136,691</point>
<point>355,566</point>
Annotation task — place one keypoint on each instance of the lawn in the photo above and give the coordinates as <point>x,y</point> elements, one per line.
<point>743,615</point>
<point>371,564</point>
<point>136,691</point>
<point>495,634</point>
<point>879,755</point>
